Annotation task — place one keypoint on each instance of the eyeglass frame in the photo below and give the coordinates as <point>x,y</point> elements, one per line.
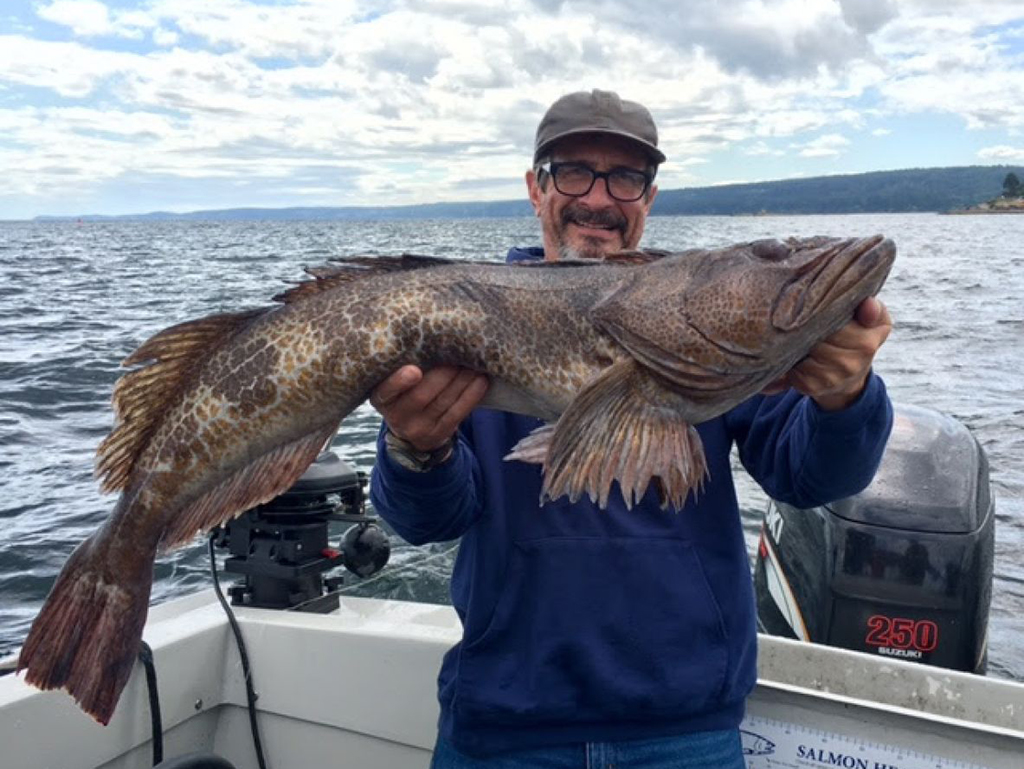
<point>549,167</point>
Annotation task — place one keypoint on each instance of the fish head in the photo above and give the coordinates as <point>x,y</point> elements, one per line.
<point>722,323</point>
<point>754,296</point>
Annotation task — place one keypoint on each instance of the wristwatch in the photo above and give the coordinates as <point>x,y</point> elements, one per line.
<point>411,458</point>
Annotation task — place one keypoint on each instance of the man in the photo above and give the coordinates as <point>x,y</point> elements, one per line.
<point>616,637</point>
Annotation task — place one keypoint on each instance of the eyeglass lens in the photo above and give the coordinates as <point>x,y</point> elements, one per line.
<point>575,179</point>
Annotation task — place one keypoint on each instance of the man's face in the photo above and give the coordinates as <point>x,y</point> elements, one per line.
<point>596,224</point>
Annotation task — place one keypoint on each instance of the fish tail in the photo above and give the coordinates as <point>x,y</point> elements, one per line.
<point>86,638</point>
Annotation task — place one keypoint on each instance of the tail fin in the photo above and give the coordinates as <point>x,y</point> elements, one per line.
<point>86,638</point>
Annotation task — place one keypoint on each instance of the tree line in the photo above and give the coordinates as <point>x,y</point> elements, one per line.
<point>1011,186</point>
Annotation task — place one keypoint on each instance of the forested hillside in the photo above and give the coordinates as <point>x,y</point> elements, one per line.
<point>919,189</point>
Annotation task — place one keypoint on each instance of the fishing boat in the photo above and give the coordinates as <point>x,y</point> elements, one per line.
<point>887,630</point>
<point>356,687</point>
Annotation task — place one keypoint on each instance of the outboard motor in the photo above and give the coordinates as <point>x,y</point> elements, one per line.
<point>903,569</point>
<point>282,546</point>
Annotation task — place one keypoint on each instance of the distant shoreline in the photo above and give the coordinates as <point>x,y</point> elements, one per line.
<point>916,190</point>
<point>995,206</point>
<point>983,211</point>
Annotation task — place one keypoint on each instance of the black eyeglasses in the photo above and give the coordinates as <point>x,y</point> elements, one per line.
<point>577,179</point>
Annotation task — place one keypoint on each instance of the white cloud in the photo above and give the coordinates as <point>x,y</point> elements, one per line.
<point>827,145</point>
<point>1002,154</point>
<point>942,58</point>
<point>84,17</point>
<point>91,18</point>
<point>766,39</point>
<point>868,16</point>
<point>68,69</point>
<point>165,38</point>
<point>308,29</point>
<point>441,97</point>
<point>989,100</point>
<point>762,149</point>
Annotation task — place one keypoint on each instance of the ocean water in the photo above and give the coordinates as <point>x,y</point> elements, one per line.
<point>75,299</point>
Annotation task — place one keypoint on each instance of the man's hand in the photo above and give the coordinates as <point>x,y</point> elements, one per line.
<point>835,371</point>
<point>426,409</point>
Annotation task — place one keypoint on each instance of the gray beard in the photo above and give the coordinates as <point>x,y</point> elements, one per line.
<point>566,251</point>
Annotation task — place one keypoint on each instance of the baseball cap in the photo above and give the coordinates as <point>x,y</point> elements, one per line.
<point>600,112</point>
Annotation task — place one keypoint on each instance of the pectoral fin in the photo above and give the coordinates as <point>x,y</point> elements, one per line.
<point>626,427</point>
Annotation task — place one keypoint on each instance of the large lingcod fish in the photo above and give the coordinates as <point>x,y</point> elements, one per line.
<point>621,356</point>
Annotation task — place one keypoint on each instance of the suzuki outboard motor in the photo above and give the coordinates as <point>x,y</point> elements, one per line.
<point>903,569</point>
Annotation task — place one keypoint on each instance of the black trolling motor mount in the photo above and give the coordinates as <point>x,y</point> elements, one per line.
<point>282,547</point>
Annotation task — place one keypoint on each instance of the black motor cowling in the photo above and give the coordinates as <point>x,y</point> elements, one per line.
<point>282,547</point>
<point>903,569</point>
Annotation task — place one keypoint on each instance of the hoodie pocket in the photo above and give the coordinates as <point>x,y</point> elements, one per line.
<point>588,629</point>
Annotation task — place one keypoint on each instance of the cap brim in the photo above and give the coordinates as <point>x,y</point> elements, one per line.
<point>655,154</point>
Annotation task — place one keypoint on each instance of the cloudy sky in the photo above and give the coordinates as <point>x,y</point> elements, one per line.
<point>119,107</point>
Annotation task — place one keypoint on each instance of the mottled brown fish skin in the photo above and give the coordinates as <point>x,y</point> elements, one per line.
<point>720,325</point>
<point>252,398</point>
<point>227,412</point>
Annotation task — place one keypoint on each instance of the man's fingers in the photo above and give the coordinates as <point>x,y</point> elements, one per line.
<point>391,388</point>
<point>434,382</point>
<point>812,376</point>
<point>450,393</point>
<point>855,336</point>
<point>836,369</point>
<point>425,408</point>
<point>872,313</point>
<point>410,388</point>
<point>471,395</point>
<point>867,312</point>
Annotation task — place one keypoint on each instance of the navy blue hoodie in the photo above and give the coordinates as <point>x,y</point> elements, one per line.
<point>588,625</point>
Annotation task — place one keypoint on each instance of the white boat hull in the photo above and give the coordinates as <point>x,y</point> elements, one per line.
<point>358,688</point>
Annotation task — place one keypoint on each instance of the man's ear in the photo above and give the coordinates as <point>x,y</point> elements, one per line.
<point>534,190</point>
<point>652,193</point>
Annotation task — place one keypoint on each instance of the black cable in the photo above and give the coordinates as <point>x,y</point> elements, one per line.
<point>250,692</point>
<point>146,658</point>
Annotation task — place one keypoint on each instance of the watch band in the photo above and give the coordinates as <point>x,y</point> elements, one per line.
<point>409,457</point>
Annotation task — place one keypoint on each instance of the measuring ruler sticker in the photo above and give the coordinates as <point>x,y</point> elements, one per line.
<point>769,744</point>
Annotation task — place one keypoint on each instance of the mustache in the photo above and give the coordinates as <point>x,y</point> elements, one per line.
<point>585,217</point>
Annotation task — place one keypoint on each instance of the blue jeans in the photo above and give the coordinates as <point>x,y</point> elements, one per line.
<point>704,750</point>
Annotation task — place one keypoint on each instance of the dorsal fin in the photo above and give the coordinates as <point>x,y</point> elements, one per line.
<point>348,268</point>
<point>618,257</point>
<point>637,257</point>
<point>141,397</point>
<point>391,263</point>
<point>560,264</point>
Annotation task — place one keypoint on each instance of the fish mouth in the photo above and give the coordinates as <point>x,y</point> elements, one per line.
<point>835,275</point>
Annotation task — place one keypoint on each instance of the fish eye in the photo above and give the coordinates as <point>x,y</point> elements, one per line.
<point>769,249</point>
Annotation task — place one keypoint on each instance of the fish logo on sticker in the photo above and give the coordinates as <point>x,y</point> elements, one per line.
<point>756,745</point>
